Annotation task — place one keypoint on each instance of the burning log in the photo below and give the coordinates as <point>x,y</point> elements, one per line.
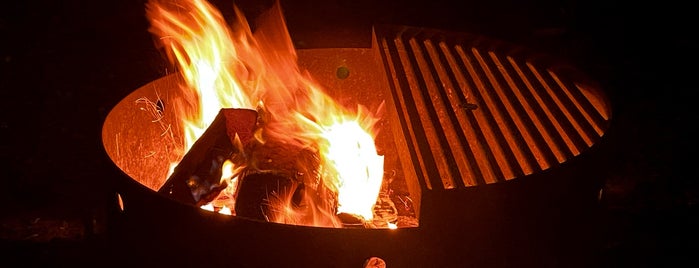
<point>282,183</point>
<point>277,181</point>
<point>311,156</point>
<point>196,179</point>
<point>255,191</point>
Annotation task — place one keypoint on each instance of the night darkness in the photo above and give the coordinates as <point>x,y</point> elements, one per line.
<point>65,64</point>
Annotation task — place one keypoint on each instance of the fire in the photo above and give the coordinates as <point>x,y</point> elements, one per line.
<point>194,36</point>
<point>226,199</point>
<point>230,67</point>
<point>359,170</point>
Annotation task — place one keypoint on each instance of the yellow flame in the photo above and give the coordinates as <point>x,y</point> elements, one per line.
<point>225,210</point>
<point>226,199</point>
<point>227,170</point>
<point>359,170</point>
<point>392,226</point>
<point>311,211</point>
<point>195,37</point>
<point>230,67</point>
<point>209,207</point>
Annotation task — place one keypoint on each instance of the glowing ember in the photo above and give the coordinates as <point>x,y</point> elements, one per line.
<point>230,67</point>
<point>226,199</point>
<point>208,207</point>
<point>392,226</point>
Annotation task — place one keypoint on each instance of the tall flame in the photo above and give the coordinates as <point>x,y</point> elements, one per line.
<point>230,67</point>
<point>208,55</point>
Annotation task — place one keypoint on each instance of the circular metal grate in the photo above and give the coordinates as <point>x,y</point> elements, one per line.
<point>472,111</point>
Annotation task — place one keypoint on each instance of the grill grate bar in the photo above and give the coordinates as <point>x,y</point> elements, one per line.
<point>484,114</point>
<point>511,123</point>
<point>556,142</point>
<point>472,116</point>
<point>591,115</point>
<point>425,90</point>
<point>411,117</point>
<point>570,110</point>
<point>566,129</point>
<point>457,114</point>
<point>484,156</point>
<point>522,104</point>
<point>426,115</point>
<point>464,160</point>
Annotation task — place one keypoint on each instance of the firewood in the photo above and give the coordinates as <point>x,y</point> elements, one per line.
<point>196,179</point>
<point>257,189</point>
<point>282,183</point>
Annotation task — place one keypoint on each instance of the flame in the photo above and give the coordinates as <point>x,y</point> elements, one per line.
<point>209,207</point>
<point>392,226</point>
<point>230,67</point>
<point>226,199</point>
<point>358,170</point>
<point>208,54</point>
<point>309,211</point>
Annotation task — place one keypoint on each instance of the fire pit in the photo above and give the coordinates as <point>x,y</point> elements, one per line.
<point>476,143</point>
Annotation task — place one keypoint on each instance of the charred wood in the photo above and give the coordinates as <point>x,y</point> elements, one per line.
<point>197,178</point>
<point>256,190</point>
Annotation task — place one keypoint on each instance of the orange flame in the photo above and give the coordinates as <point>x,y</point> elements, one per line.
<point>208,55</point>
<point>230,67</point>
<point>225,202</point>
<point>359,171</point>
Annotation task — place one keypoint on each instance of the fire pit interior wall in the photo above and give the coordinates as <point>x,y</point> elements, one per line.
<point>139,133</point>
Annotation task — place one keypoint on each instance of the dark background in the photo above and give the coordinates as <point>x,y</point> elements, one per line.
<point>64,64</point>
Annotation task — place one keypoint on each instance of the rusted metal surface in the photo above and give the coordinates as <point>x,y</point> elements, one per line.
<point>139,134</point>
<point>473,111</point>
